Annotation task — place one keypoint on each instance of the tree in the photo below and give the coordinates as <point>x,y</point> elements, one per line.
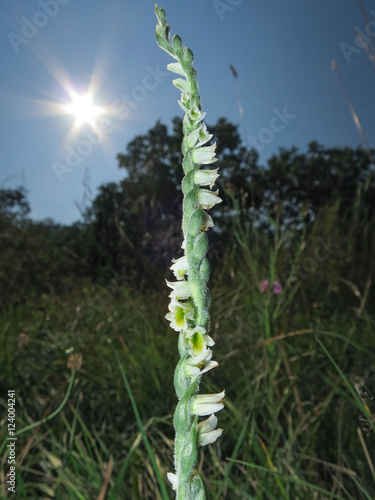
<point>305,182</point>
<point>36,257</point>
<point>134,223</point>
<point>153,163</point>
<point>13,203</point>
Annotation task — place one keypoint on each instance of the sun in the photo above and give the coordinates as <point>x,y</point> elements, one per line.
<point>83,109</point>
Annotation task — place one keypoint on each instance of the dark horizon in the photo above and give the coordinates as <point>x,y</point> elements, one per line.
<point>282,56</point>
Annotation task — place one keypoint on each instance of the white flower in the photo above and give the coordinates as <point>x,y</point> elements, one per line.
<point>207,221</point>
<point>207,432</point>
<point>200,360</point>
<point>204,155</point>
<point>180,289</point>
<point>197,329</point>
<point>195,370</point>
<point>192,138</point>
<point>199,344</point>
<point>185,103</point>
<point>207,199</point>
<point>205,177</point>
<point>172,478</point>
<point>198,340</point>
<point>209,341</point>
<point>194,114</point>
<point>205,404</point>
<point>204,136</point>
<point>198,137</point>
<point>179,267</point>
<point>208,425</point>
<point>201,355</point>
<point>179,314</point>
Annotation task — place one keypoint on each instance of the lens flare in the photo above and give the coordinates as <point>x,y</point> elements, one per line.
<point>83,109</point>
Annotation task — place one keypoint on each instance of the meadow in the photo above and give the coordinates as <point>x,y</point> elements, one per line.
<point>92,367</point>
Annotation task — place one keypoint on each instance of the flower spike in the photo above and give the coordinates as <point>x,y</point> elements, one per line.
<point>189,306</point>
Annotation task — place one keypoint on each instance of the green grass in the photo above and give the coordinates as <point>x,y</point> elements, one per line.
<point>292,367</point>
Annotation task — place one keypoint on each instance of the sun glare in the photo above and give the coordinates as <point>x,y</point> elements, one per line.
<point>83,109</point>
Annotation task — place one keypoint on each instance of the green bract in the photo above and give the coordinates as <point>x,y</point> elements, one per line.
<point>190,300</point>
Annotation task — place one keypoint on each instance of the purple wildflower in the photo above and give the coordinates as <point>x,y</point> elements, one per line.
<point>276,287</point>
<point>264,286</point>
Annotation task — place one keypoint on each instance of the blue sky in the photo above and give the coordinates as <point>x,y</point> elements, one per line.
<point>282,52</point>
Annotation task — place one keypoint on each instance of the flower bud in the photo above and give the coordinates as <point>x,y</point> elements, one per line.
<point>172,478</point>
<point>182,85</point>
<point>180,289</point>
<point>204,155</point>
<point>205,177</point>
<point>176,68</point>
<point>177,42</point>
<point>207,199</point>
<point>207,432</point>
<point>205,404</point>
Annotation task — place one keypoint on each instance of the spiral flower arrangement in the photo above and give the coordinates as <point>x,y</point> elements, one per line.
<point>189,306</point>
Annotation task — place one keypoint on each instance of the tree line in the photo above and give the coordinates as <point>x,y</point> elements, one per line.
<point>133,226</point>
